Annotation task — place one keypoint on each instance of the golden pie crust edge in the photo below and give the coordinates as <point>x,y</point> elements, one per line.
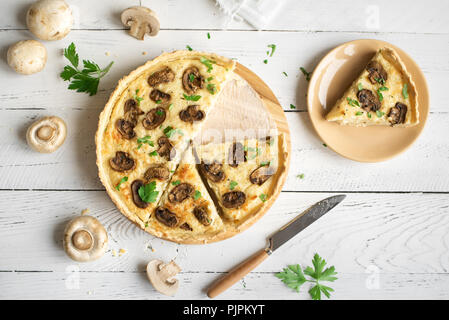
<point>103,121</point>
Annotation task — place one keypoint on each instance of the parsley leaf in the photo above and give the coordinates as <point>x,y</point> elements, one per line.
<point>265,61</point>
<point>211,88</point>
<point>137,98</point>
<point>300,176</point>
<point>232,185</point>
<point>352,102</point>
<point>122,180</point>
<point>405,91</point>
<point>85,80</point>
<point>197,195</point>
<point>306,74</point>
<point>285,73</point>
<point>192,97</point>
<point>208,63</point>
<point>273,49</point>
<point>177,182</point>
<point>208,35</point>
<point>360,86</point>
<point>292,106</point>
<point>358,113</point>
<point>379,113</point>
<point>153,153</point>
<point>263,197</point>
<point>144,140</point>
<point>189,48</point>
<point>294,277</point>
<point>148,192</point>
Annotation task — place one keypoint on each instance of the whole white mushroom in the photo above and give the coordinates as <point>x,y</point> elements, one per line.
<point>49,19</point>
<point>27,56</point>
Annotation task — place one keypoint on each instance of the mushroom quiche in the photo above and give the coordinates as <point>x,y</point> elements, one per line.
<point>148,122</point>
<point>241,174</point>
<point>384,94</point>
<point>186,209</point>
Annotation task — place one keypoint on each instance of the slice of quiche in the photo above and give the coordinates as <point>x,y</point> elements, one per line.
<point>148,122</point>
<point>384,94</point>
<point>186,210</point>
<point>240,174</point>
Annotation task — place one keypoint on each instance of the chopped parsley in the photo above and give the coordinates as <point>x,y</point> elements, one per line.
<point>285,73</point>
<point>379,113</point>
<point>122,180</point>
<point>153,153</point>
<point>273,49</point>
<point>358,113</point>
<point>197,195</point>
<point>300,176</point>
<point>191,77</point>
<point>211,88</point>
<point>169,131</point>
<point>144,140</point>
<point>170,106</point>
<point>292,106</point>
<point>175,183</point>
<point>208,63</point>
<point>306,74</point>
<point>265,163</point>
<point>369,115</point>
<point>405,91</point>
<point>148,193</point>
<point>352,102</point>
<point>137,98</point>
<point>192,97</point>
<point>189,48</point>
<point>379,92</point>
<point>324,145</point>
<point>360,86</point>
<point>159,112</point>
<point>210,79</point>
<point>232,185</point>
<point>158,101</point>
<point>265,61</point>
<point>380,81</point>
<point>263,197</point>
<point>208,35</point>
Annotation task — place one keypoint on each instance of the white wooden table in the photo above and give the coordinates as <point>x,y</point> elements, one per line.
<point>388,240</point>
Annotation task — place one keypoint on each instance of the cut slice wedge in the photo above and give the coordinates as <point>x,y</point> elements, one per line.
<point>384,94</point>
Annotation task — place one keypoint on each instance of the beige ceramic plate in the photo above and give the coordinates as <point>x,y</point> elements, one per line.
<point>333,75</point>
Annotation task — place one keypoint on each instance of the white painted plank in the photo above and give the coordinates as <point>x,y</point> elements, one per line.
<point>60,285</point>
<point>396,233</point>
<point>306,15</point>
<point>73,165</point>
<point>294,50</point>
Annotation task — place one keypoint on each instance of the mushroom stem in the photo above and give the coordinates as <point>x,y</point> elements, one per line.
<point>138,30</point>
<point>168,270</point>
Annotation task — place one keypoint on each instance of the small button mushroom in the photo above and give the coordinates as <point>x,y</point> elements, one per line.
<point>191,114</point>
<point>85,239</point>
<point>158,171</point>
<point>166,149</point>
<point>46,135</point>
<point>202,214</point>
<point>125,128</point>
<point>237,154</point>
<point>162,275</point>
<point>213,171</point>
<point>180,192</point>
<point>192,80</point>
<point>185,226</point>
<point>368,100</point>
<point>261,174</point>
<point>159,96</point>
<point>154,118</point>
<point>132,111</point>
<point>166,217</point>
<point>397,113</point>
<point>122,162</point>
<point>377,73</point>
<point>141,21</point>
<point>27,56</point>
<point>49,19</point>
<point>135,186</point>
<point>163,76</point>
<point>233,199</point>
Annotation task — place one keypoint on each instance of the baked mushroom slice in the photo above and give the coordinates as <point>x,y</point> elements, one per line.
<point>159,172</point>
<point>233,199</point>
<point>191,114</point>
<point>47,134</point>
<point>213,171</point>
<point>85,239</point>
<point>166,149</point>
<point>125,128</point>
<point>27,56</point>
<point>135,186</point>
<point>376,72</point>
<point>368,100</point>
<point>186,226</point>
<point>132,111</point>
<point>180,193</point>
<point>166,217</point>
<point>122,162</point>
<point>202,214</point>
<point>261,174</point>
<point>141,21</point>
<point>159,97</point>
<point>154,118</point>
<point>397,113</point>
<point>162,276</point>
<point>236,155</point>
<point>163,76</point>
<point>192,80</point>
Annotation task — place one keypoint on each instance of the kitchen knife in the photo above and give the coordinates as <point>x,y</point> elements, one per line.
<point>284,234</point>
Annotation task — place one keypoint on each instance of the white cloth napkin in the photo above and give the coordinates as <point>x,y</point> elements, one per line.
<point>257,13</point>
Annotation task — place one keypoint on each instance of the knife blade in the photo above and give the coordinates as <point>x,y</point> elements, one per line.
<point>284,234</point>
<point>302,221</point>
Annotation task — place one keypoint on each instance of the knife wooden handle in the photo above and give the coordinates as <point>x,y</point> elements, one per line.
<point>237,273</point>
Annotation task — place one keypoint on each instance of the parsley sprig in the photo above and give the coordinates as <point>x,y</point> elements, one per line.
<point>85,80</point>
<point>144,140</point>
<point>307,74</point>
<point>148,192</point>
<point>294,277</point>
